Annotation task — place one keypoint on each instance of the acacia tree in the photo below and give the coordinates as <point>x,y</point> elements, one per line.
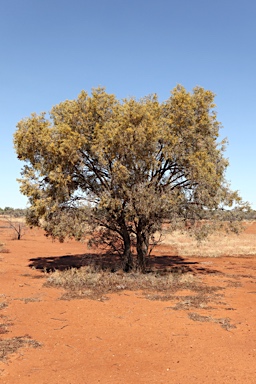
<point>137,162</point>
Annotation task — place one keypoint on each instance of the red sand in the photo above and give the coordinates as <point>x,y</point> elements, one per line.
<point>126,339</point>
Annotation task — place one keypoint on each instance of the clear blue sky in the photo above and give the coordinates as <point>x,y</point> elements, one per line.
<point>52,49</point>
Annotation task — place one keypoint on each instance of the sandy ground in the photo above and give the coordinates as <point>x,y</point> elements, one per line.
<point>128,338</point>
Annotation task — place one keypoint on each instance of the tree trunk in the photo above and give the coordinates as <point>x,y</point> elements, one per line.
<point>127,258</point>
<point>142,247</point>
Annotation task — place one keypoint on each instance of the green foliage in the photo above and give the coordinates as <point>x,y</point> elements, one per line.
<point>136,162</point>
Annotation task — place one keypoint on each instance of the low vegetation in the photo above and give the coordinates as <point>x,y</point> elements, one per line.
<point>13,212</point>
<point>159,282</point>
<point>93,283</point>
<point>10,346</point>
<point>3,249</point>
<point>224,322</point>
<point>216,245</point>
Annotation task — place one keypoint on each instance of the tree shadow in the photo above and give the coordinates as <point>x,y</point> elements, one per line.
<point>176,264</point>
<point>61,263</point>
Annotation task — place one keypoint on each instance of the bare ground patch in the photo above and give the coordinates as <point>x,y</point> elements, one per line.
<point>11,345</point>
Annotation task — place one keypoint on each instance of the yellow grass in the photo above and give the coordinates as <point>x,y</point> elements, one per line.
<point>218,244</point>
<point>8,219</point>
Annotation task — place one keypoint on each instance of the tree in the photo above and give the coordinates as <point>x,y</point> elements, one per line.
<point>15,217</point>
<point>18,227</point>
<point>135,162</point>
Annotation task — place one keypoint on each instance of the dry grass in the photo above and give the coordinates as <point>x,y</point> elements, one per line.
<point>200,301</point>
<point>3,305</point>
<point>29,299</point>
<point>3,249</point>
<point>224,322</point>
<point>8,218</point>
<point>10,346</point>
<point>218,244</point>
<point>90,283</point>
<point>4,323</point>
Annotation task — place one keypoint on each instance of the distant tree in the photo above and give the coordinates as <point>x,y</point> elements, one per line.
<point>137,163</point>
<point>8,210</point>
<point>13,217</point>
<point>18,227</point>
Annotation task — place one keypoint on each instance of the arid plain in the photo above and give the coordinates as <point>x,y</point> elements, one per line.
<point>200,331</point>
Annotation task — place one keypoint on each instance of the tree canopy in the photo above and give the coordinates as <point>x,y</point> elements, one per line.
<point>135,163</point>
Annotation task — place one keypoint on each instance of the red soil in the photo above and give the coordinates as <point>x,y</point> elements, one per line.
<point>251,228</point>
<point>126,339</point>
